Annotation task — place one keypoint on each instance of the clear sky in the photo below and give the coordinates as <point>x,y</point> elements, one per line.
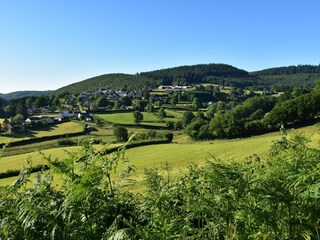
<point>49,44</point>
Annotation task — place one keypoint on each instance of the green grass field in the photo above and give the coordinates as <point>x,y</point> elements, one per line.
<point>148,118</point>
<point>21,160</point>
<point>179,154</point>
<point>185,152</point>
<point>62,128</point>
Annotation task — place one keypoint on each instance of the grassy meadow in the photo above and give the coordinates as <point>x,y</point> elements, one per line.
<point>179,154</point>
<point>21,160</point>
<point>148,118</point>
<point>51,130</point>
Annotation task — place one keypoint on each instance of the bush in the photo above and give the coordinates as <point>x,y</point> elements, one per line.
<point>153,135</point>
<point>90,141</point>
<point>66,142</point>
<point>168,136</point>
<point>170,125</point>
<point>16,172</point>
<point>178,125</point>
<point>120,133</point>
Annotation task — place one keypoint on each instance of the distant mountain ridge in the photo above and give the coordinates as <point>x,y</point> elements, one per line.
<point>292,76</point>
<point>193,74</point>
<point>21,94</point>
<point>201,73</point>
<point>289,70</point>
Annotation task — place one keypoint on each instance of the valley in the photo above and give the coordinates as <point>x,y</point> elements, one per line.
<point>203,139</point>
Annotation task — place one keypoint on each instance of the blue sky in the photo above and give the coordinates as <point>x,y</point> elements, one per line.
<point>50,44</point>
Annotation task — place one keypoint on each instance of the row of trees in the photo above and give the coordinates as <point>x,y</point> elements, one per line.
<point>255,115</point>
<point>20,106</point>
<point>290,70</point>
<point>274,198</point>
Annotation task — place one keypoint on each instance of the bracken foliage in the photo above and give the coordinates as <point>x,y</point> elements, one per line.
<point>273,198</point>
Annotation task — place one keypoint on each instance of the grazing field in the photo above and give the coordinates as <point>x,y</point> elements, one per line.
<point>127,118</point>
<point>179,154</point>
<point>21,160</point>
<point>51,130</point>
<point>185,152</point>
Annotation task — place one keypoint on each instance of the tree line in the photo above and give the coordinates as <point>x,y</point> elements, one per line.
<point>289,70</point>
<point>254,116</point>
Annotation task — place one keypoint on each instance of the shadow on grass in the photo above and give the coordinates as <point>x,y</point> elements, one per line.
<point>32,133</point>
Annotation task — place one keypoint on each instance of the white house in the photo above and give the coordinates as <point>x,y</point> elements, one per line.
<point>64,114</point>
<point>86,116</point>
<point>67,113</point>
<point>44,120</point>
<point>32,119</point>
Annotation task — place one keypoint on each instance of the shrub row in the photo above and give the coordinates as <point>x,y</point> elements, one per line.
<point>152,135</point>
<point>42,139</point>
<point>16,172</point>
<point>140,144</point>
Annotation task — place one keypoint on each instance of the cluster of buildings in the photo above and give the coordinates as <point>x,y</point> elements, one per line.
<point>115,95</point>
<point>63,115</point>
<point>45,120</point>
<point>176,88</point>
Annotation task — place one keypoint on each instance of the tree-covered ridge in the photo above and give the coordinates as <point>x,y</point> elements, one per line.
<point>289,70</point>
<point>196,73</point>
<point>21,94</point>
<point>287,82</point>
<point>221,74</point>
<point>114,81</point>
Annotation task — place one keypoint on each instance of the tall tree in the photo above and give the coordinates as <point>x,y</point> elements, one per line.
<point>162,113</point>
<point>138,116</point>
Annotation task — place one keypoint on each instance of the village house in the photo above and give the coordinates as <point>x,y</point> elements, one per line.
<point>44,120</point>
<point>45,110</point>
<point>64,114</point>
<point>86,116</point>
<point>176,88</point>
<point>32,120</point>
<point>31,110</point>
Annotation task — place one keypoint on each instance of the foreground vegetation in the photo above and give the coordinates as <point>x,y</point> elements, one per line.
<point>256,187</point>
<point>276,197</point>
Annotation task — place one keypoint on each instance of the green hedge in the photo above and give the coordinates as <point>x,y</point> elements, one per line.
<point>42,139</point>
<point>16,172</point>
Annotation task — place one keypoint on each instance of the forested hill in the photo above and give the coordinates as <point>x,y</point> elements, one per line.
<point>202,73</point>
<point>114,81</point>
<point>285,78</point>
<point>21,94</point>
<point>300,69</point>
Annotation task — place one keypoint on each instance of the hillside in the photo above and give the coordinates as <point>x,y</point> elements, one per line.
<point>290,70</point>
<point>202,73</point>
<point>282,77</point>
<point>115,81</point>
<point>223,74</point>
<point>21,94</point>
